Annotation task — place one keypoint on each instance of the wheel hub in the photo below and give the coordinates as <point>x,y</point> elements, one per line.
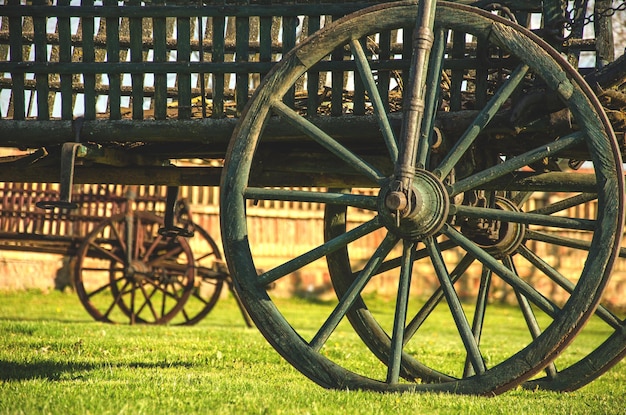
<point>137,270</point>
<point>417,212</point>
<point>506,238</point>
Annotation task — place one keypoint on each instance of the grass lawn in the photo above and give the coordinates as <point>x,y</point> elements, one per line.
<point>54,359</point>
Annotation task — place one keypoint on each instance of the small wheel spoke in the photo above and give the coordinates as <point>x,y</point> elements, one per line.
<point>138,239</point>
<point>153,245</point>
<point>173,252</point>
<point>527,312</point>
<point>377,102</point>
<point>106,252</point>
<point>317,253</point>
<point>116,300</point>
<point>118,296</point>
<point>480,122</point>
<point>511,165</point>
<point>353,292</point>
<point>120,239</point>
<point>465,331</point>
<point>340,199</point>
<point>399,322</point>
<point>523,217</point>
<point>511,278</point>
<point>148,301</point>
<point>328,142</point>
<point>99,290</point>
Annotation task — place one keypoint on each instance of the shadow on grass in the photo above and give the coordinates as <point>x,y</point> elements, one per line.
<point>57,371</point>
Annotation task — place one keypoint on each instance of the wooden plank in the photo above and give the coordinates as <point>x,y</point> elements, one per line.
<point>219,26</point>
<point>88,55</point>
<point>160,55</point>
<point>337,81</point>
<point>358,100</point>
<point>65,55</point>
<point>186,10</point>
<point>242,38</point>
<point>113,55</point>
<point>15,43</point>
<point>136,56</point>
<point>183,54</point>
<point>265,38</point>
<point>384,77</point>
<point>313,76</point>
<point>290,25</point>
<point>41,55</point>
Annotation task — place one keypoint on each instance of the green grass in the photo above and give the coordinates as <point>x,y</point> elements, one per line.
<point>55,359</point>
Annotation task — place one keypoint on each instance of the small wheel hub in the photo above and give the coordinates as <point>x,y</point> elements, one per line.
<point>137,270</point>
<point>418,212</point>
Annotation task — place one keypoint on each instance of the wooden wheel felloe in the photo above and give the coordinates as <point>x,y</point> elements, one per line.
<point>587,359</point>
<point>467,197</point>
<point>127,273</point>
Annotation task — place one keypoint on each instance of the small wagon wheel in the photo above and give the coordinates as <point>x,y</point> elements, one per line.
<point>209,279</point>
<point>444,187</point>
<point>127,273</point>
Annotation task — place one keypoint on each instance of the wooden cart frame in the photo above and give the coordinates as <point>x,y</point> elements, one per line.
<point>459,112</point>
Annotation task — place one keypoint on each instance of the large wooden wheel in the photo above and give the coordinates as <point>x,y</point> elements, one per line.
<point>470,193</point>
<point>127,273</point>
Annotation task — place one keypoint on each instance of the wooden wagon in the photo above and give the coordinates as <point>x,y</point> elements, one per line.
<point>439,120</point>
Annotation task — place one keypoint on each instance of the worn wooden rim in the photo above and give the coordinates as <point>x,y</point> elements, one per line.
<point>241,151</point>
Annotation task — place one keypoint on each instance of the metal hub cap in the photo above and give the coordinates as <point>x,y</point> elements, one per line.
<point>422,210</point>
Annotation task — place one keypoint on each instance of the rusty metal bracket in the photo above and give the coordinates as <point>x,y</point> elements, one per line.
<point>66,180</point>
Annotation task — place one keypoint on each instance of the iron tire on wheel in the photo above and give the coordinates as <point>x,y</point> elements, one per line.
<point>306,352</point>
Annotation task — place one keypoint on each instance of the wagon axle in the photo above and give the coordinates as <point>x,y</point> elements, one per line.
<point>418,212</point>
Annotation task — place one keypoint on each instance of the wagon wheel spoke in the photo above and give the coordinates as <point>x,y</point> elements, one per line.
<point>480,122</point>
<point>319,252</point>
<point>565,204</point>
<point>429,305</point>
<point>399,321</point>
<point>351,295</point>
<point>516,163</point>
<point>602,312</point>
<point>328,142</point>
<point>390,264</point>
<point>529,315</point>
<point>524,218</point>
<point>506,274</point>
<point>147,302</point>
<point>482,299</point>
<point>433,77</point>
<point>456,308</point>
<point>209,279</point>
<point>116,300</point>
<point>312,196</point>
<point>372,90</point>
